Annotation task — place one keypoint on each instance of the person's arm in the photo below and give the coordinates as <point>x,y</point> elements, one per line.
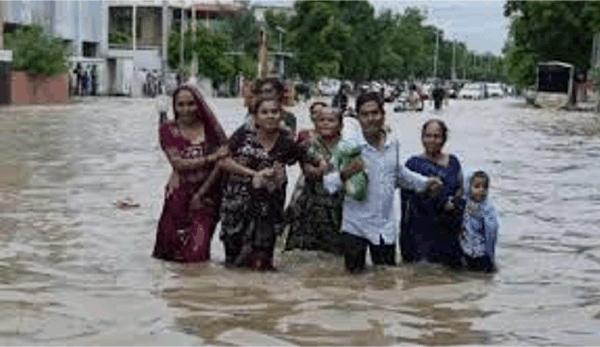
<point>231,166</point>
<point>408,179</point>
<point>181,164</point>
<point>334,180</point>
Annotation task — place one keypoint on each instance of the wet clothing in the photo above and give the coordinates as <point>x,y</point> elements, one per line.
<point>185,232</point>
<point>373,218</point>
<point>427,231</point>
<point>355,253</point>
<point>314,215</point>
<point>253,218</point>
<point>480,231</point>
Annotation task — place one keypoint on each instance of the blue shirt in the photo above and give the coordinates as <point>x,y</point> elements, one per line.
<point>373,218</point>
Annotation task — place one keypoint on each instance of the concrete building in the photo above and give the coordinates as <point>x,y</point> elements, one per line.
<point>123,39</point>
<point>80,23</point>
<point>136,28</point>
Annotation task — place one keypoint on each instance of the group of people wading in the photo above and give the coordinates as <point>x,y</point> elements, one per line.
<point>241,182</point>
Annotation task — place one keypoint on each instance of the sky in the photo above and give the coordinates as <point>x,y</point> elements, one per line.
<point>480,24</point>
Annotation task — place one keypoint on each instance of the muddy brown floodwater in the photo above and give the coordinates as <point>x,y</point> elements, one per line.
<point>76,270</point>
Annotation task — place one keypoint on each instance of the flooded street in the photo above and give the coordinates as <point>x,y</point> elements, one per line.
<point>76,270</point>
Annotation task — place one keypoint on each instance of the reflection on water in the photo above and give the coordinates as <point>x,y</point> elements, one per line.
<point>76,270</point>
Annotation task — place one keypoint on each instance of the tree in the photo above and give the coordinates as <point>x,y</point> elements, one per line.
<point>210,48</point>
<point>37,52</point>
<point>317,36</point>
<point>549,30</point>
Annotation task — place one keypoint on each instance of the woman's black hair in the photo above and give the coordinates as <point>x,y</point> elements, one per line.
<point>481,174</point>
<point>339,114</point>
<point>317,103</point>
<point>369,96</point>
<point>441,124</point>
<point>259,100</point>
<point>275,82</point>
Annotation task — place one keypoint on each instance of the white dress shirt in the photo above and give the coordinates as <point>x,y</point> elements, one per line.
<point>373,218</point>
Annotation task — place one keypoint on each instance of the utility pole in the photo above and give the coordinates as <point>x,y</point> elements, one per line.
<point>181,38</point>
<point>465,60</point>
<point>134,24</point>
<point>1,25</point>
<point>165,29</point>
<point>435,58</point>
<point>454,60</point>
<point>194,55</point>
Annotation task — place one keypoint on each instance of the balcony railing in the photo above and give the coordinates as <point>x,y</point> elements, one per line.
<point>129,46</point>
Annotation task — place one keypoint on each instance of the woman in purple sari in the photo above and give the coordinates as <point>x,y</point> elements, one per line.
<point>193,143</point>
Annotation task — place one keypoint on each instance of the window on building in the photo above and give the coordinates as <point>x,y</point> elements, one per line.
<point>90,49</point>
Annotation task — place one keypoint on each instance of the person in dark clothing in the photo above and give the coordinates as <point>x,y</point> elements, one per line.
<point>438,93</point>
<point>78,76</point>
<point>85,83</point>
<point>340,100</point>
<point>94,77</point>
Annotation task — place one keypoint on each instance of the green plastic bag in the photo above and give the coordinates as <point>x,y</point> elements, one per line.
<point>357,184</point>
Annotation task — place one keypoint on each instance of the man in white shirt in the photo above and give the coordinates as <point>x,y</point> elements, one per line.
<point>371,223</point>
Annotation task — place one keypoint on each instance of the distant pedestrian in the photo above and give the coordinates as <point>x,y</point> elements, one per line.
<point>85,83</point>
<point>438,93</point>
<point>94,78</point>
<point>78,79</point>
<point>340,100</point>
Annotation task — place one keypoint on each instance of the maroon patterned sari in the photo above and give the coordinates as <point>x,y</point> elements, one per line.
<point>185,232</point>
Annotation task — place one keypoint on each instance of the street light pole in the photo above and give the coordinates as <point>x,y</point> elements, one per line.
<point>281,56</point>
<point>165,27</point>
<point>181,37</point>
<point>435,58</point>
<point>2,25</point>
<point>194,55</point>
<point>454,60</point>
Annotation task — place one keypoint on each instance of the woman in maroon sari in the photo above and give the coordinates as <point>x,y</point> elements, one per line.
<point>193,143</point>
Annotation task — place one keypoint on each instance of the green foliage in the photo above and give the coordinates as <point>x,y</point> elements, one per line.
<point>119,38</point>
<point>341,39</point>
<point>549,30</point>
<point>210,49</point>
<point>36,52</point>
<point>328,34</point>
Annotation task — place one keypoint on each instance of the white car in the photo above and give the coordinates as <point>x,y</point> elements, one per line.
<point>328,87</point>
<point>495,90</point>
<point>475,91</point>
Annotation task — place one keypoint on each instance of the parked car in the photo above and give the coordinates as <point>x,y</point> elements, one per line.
<point>328,87</point>
<point>495,90</point>
<point>475,91</point>
<point>388,93</point>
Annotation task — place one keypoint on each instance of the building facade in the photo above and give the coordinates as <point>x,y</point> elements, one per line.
<point>122,39</point>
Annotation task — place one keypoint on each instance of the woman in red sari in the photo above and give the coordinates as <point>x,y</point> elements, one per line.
<point>193,143</point>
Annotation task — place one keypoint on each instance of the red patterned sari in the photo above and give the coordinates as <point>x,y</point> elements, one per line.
<point>185,232</point>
